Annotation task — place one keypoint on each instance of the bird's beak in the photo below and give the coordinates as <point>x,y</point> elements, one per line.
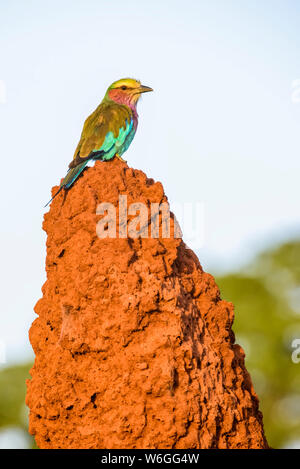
<point>144,89</point>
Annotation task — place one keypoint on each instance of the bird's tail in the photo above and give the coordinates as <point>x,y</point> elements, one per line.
<point>70,178</point>
<point>73,174</point>
<point>61,187</point>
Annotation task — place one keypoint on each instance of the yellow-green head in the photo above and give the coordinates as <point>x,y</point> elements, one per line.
<point>126,91</point>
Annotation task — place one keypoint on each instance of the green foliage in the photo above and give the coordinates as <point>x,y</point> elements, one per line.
<point>13,411</point>
<point>266,296</point>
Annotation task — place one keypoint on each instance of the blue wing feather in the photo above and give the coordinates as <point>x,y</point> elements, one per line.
<point>113,145</point>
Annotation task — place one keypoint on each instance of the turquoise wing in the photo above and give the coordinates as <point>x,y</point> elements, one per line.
<point>112,144</point>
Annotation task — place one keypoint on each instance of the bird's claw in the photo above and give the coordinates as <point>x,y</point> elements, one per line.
<point>120,158</point>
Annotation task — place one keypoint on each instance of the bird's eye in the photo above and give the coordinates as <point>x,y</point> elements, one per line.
<point>124,87</point>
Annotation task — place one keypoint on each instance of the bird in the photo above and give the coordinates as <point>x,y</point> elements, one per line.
<point>109,130</point>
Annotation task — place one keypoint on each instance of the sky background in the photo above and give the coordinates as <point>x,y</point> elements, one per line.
<point>221,128</point>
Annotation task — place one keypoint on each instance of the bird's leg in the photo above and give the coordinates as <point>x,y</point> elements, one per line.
<point>120,158</point>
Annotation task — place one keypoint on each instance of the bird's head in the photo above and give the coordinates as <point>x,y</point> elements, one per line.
<point>127,91</point>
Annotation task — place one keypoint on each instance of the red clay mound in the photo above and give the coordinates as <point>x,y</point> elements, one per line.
<point>134,347</point>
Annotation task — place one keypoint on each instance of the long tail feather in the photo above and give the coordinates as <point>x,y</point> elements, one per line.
<point>61,187</point>
<point>70,178</point>
<point>73,174</point>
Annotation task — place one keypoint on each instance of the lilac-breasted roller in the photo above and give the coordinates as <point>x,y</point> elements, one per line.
<point>109,130</point>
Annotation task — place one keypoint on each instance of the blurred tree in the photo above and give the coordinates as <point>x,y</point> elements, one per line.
<point>266,296</point>
<point>13,411</point>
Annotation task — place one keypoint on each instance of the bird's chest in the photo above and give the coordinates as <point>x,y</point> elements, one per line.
<point>128,139</point>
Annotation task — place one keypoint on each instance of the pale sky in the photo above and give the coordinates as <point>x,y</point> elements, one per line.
<point>221,128</point>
